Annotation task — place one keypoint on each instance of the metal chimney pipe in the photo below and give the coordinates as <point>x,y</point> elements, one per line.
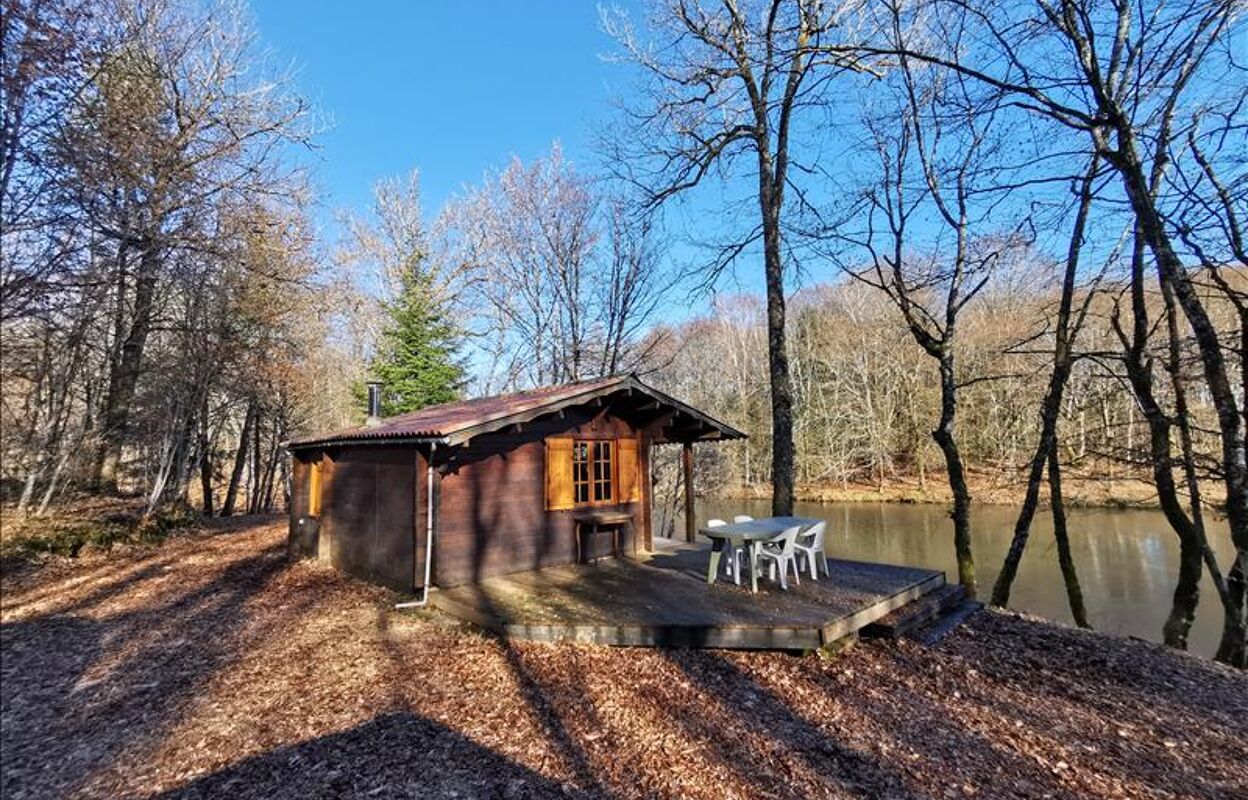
<point>374,403</point>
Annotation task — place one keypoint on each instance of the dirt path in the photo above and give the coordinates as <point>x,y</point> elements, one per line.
<point>214,667</point>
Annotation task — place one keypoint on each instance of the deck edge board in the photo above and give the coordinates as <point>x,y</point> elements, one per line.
<point>804,635</point>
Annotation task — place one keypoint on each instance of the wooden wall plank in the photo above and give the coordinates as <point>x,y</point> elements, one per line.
<point>367,514</point>
<point>492,516</point>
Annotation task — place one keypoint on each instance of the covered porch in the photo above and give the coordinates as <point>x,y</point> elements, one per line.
<point>663,600</point>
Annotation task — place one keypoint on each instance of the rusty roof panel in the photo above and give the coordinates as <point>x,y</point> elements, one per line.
<point>484,414</point>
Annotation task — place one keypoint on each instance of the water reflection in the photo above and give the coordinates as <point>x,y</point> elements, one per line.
<point>1127,560</point>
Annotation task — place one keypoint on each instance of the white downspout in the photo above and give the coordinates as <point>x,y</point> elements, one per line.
<point>424,592</point>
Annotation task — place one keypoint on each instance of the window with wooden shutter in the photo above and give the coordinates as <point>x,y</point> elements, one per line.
<point>559,483</point>
<point>629,480</point>
<point>314,488</point>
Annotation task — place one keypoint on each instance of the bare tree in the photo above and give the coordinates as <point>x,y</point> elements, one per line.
<point>1210,201</point>
<point>725,83</point>
<point>178,121</point>
<point>1124,76</point>
<point>561,282</point>
<point>152,215</point>
<point>936,155</point>
<point>1068,323</point>
<point>44,66</point>
<point>635,282</point>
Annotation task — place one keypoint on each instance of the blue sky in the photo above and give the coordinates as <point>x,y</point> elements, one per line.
<point>456,90</point>
<point>453,89</point>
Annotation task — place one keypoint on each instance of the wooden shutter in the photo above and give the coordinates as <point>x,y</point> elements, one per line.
<point>629,486</point>
<point>559,494</point>
<point>314,488</point>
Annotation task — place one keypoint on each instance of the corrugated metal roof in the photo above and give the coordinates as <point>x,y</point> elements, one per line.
<point>481,415</point>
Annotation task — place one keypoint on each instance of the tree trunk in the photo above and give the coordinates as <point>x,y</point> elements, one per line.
<point>255,475</point>
<point>1049,411</point>
<point>1234,646</point>
<point>185,455</point>
<point>124,373</point>
<point>1139,368</point>
<point>28,488</point>
<point>270,473</point>
<point>686,464</point>
<point>1231,646</point>
<point>777,359</point>
<point>1051,406</point>
<point>240,460</point>
<point>1233,649</point>
<point>1234,461</point>
<point>205,459</point>
<point>168,464</point>
<point>265,503</point>
<point>53,483</point>
<point>1187,590</point>
<point>946,439</point>
<point>1186,594</point>
<point>1074,593</point>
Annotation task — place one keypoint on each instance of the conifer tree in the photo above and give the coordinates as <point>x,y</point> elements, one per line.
<point>417,359</point>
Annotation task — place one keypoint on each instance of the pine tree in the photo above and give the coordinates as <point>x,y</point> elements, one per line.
<point>417,360</point>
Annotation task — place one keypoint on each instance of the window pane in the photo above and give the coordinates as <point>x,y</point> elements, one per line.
<point>602,472</point>
<point>580,472</point>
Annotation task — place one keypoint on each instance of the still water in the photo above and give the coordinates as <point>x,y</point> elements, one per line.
<point>1127,559</point>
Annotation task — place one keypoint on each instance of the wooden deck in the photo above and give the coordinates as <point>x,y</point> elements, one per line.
<point>663,601</point>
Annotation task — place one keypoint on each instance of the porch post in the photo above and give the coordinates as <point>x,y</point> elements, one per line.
<point>687,460</point>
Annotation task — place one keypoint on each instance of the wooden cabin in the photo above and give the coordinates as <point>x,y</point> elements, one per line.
<point>464,491</point>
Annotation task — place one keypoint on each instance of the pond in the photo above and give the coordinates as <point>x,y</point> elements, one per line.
<point>1127,559</point>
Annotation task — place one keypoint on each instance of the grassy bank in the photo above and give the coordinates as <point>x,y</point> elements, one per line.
<point>85,527</point>
<point>213,666</point>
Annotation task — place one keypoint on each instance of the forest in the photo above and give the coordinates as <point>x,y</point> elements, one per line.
<point>974,249</point>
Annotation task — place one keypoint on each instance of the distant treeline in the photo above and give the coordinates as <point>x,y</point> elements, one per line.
<point>866,397</point>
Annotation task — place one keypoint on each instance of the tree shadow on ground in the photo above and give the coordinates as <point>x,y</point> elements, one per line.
<point>39,695</point>
<point>78,692</point>
<point>547,715</point>
<point>95,588</point>
<point>391,756</point>
<point>41,581</point>
<point>927,733</point>
<point>1098,695</point>
<point>842,769</point>
<point>1092,662</point>
<point>485,520</point>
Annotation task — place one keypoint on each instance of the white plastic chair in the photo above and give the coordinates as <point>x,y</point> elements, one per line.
<point>809,545</point>
<point>733,551</point>
<point>781,552</point>
<point>741,551</point>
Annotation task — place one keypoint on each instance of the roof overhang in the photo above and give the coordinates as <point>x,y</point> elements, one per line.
<point>682,422</point>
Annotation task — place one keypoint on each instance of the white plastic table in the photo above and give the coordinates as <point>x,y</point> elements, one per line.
<point>750,533</point>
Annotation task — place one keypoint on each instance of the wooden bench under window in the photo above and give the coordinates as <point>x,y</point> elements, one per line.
<point>615,520</point>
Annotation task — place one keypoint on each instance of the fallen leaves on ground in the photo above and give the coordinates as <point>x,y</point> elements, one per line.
<point>215,667</point>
